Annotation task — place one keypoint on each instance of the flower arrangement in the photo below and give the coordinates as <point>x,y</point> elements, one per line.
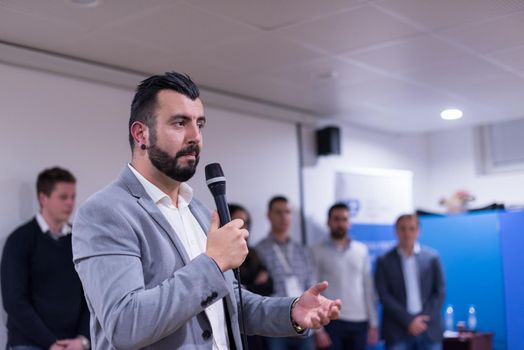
<point>458,202</point>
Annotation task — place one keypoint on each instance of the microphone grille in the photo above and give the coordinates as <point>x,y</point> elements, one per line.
<point>213,170</point>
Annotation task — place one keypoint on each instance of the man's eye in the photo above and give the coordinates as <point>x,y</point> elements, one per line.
<point>201,124</point>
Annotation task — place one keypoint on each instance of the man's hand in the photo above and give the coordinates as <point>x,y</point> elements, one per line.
<point>55,346</point>
<point>69,344</point>
<point>418,325</point>
<point>372,336</point>
<point>227,245</point>
<point>322,339</point>
<point>262,277</point>
<point>313,310</point>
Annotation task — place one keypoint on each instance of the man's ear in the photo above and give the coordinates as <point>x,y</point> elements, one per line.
<point>42,198</point>
<point>140,133</point>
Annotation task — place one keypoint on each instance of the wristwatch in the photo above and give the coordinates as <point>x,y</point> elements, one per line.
<point>298,328</point>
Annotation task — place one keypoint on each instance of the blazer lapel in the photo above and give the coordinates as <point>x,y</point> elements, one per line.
<point>401,280</point>
<point>202,215</point>
<point>143,199</point>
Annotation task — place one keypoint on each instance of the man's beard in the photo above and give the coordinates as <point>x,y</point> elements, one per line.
<point>338,233</point>
<point>169,165</point>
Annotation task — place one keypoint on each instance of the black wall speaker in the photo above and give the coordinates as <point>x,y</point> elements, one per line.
<point>328,141</point>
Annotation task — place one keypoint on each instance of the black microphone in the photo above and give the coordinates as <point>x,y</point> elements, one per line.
<point>216,182</point>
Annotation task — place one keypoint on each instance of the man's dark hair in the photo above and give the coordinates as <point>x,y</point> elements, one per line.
<point>233,207</point>
<point>337,206</point>
<point>275,199</point>
<point>48,179</point>
<point>145,100</point>
<point>405,217</point>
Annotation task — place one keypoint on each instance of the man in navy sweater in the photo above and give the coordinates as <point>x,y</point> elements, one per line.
<point>41,291</point>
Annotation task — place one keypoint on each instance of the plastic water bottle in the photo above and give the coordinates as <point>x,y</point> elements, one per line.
<point>449,318</point>
<point>472,318</point>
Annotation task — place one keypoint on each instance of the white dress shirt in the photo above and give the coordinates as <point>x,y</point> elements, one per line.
<point>64,231</point>
<point>411,280</point>
<point>194,240</point>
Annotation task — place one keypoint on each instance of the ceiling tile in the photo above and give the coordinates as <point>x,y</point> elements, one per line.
<point>44,33</point>
<point>461,71</point>
<point>408,54</point>
<point>272,14</point>
<point>179,28</point>
<point>350,30</point>
<point>511,58</point>
<point>486,37</point>
<point>325,73</point>
<point>106,49</point>
<point>259,53</point>
<point>89,17</point>
<point>449,13</point>
<point>492,88</point>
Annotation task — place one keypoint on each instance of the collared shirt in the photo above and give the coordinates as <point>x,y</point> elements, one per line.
<point>300,263</point>
<point>194,240</point>
<point>411,280</point>
<point>64,231</point>
<point>348,272</point>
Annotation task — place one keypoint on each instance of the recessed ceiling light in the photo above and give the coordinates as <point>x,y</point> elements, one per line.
<point>451,114</point>
<point>85,3</point>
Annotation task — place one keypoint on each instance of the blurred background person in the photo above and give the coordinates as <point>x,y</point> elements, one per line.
<point>41,291</point>
<point>410,284</point>
<point>289,264</point>
<point>345,264</point>
<point>253,274</point>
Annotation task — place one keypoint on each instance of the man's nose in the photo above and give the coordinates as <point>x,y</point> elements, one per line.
<point>194,133</point>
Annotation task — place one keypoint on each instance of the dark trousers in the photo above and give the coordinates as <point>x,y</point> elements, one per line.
<point>346,335</point>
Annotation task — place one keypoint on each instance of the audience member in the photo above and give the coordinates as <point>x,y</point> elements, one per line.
<point>253,274</point>
<point>41,291</point>
<point>410,284</point>
<point>345,264</point>
<point>289,264</point>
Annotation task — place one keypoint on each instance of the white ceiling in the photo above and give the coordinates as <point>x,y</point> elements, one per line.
<point>391,65</point>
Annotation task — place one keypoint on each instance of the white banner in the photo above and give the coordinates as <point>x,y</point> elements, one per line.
<point>375,196</point>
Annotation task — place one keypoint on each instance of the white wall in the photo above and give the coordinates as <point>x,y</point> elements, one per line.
<point>452,167</point>
<point>361,148</point>
<point>48,120</point>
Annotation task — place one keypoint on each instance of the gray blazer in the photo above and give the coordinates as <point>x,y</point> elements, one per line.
<point>389,282</point>
<point>141,288</point>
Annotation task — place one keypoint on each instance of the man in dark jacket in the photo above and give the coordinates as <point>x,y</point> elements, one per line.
<point>410,283</point>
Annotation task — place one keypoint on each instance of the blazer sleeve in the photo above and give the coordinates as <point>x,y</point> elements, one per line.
<point>107,256</point>
<point>437,294</point>
<point>16,291</point>
<point>267,316</point>
<point>391,305</point>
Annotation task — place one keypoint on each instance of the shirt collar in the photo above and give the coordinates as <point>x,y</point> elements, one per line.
<point>333,244</point>
<point>416,250</point>
<point>65,230</point>
<point>185,192</point>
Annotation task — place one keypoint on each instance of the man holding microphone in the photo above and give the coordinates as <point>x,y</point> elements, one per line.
<point>155,266</point>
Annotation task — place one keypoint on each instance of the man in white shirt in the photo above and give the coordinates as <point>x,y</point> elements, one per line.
<point>344,263</point>
<point>156,267</point>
